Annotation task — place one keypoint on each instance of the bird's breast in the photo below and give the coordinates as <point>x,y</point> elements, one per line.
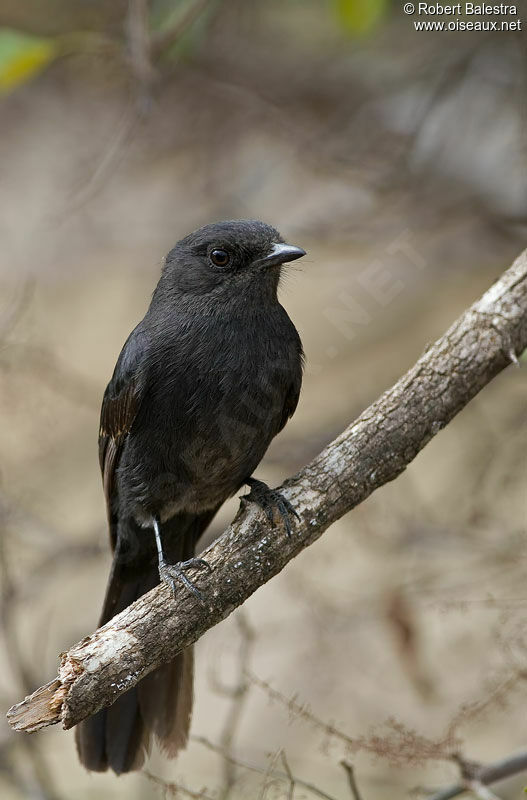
<point>215,402</point>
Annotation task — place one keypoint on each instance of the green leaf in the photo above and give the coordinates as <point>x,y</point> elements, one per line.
<point>360,16</point>
<point>22,56</point>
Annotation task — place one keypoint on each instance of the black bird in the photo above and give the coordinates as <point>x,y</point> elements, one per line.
<point>202,385</point>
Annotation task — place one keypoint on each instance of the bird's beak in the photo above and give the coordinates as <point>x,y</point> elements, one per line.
<point>280,254</point>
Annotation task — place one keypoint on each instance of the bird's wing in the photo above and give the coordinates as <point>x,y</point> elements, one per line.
<point>121,402</point>
<point>291,402</point>
<point>293,390</point>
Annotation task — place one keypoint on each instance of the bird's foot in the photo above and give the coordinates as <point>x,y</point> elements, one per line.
<point>170,573</point>
<point>270,500</point>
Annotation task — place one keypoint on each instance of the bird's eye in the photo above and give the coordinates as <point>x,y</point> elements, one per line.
<point>220,258</point>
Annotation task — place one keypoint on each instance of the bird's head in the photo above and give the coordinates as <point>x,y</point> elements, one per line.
<point>237,258</point>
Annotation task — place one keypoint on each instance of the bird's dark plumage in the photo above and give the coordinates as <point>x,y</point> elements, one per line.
<point>209,376</point>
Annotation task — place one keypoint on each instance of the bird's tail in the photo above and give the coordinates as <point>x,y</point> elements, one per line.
<point>119,737</point>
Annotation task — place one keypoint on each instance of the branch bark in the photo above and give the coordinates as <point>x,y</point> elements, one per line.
<point>372,451</point>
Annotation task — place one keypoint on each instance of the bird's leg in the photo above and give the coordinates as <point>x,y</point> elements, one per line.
<point>270,500</point>
<point>170,573</point>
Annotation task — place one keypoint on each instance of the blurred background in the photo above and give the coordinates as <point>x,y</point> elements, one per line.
<point>397,159</point>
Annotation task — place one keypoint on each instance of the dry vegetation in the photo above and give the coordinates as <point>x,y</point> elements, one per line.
<point>397,643</point>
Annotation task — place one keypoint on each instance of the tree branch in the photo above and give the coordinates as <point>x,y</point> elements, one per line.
<point>372,451</point>
<point>485,775</point>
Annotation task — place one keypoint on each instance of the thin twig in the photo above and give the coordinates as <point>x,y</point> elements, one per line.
<point>485,775</point>
<point>108,161</point>
<point>176,789</point>
<point>139,49</point>
<point>269,776</point>
<point>18,663</point>
<point>289,774</point>
<point>169,36</point>
<point>283,776</point>
<point>16,308</point>
<point>481,791</point>
<point>356,795</point>
<point>398,744</point>
<point>238,694</point>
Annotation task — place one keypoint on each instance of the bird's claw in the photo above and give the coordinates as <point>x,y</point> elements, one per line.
<point>270,500</point>
<point>170,573</point>
<point>197,563</point>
